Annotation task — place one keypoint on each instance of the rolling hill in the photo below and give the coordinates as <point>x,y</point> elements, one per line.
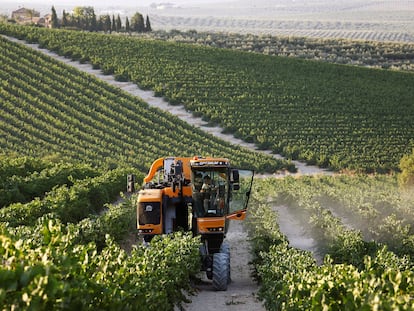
<point>50,109</point>
<point>334,116</point>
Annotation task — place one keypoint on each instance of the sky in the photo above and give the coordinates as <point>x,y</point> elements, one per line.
<point>100,3</point>
<point>7,6</point>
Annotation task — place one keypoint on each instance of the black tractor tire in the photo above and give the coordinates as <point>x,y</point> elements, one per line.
<point>221,271</point>
<point>225,248</point>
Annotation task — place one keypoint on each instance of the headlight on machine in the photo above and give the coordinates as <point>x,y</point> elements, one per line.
<point>145,230</point>
<point>216,229</point>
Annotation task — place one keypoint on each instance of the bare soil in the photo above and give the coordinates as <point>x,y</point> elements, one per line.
<point>241,292</point>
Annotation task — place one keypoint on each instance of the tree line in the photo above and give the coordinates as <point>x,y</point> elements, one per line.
<point>84,17</point>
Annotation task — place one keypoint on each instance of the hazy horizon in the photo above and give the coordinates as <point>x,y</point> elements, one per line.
<point>44,6</point>
<point>293,6</point>
<point>355,19</point>
<point>100,3</point>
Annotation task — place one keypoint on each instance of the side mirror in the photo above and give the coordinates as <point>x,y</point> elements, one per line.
<point>235,178</point>
<point>130,183</point>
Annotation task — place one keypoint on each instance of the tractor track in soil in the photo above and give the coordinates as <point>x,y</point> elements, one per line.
<point>241,293</point>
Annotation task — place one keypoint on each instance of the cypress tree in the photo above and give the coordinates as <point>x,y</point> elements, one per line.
<point>94,23</point>
<point>54,21</point>
<point>108,23</point>
<point>118,24</point>
<point>64,19</point>
<point>113,25</point>
<point>127,28</point>
<point>148,25</point>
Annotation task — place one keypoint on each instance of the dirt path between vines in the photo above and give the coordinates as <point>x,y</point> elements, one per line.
<point>241,293</point>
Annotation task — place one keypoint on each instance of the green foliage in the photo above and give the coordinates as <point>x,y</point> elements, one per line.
<point>377,54</point>
<point>346,214</point>
<point>25,188</point>
<point>137,22</point>
<point>406,178</point>
<point>84,18</point>
<point>118,221</point>
<point>305,110</point>
<point>263,230</point>
<point>19,166</point>
<point>290,279</point>
<point>47,269</point>
<point>51,266</point>
<point>54,18</point>
<point>71,204</point>
<point>48,265</point>
<point>50,108</point>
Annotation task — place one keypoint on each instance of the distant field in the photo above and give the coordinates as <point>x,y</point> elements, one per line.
<point>355,19</point>
<point>371,31</point>
<point>373,54</point>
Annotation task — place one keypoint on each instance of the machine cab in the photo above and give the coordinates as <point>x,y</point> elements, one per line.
<point>210,191</point>
<point>218,191</point>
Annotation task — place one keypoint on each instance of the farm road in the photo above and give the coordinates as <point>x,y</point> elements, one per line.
<point>241,293</point>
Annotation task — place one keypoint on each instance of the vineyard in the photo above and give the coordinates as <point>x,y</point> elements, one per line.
<point>50,109</point>
<point>373,54</point>
<point>364,231</point>
<point>330,115</point>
